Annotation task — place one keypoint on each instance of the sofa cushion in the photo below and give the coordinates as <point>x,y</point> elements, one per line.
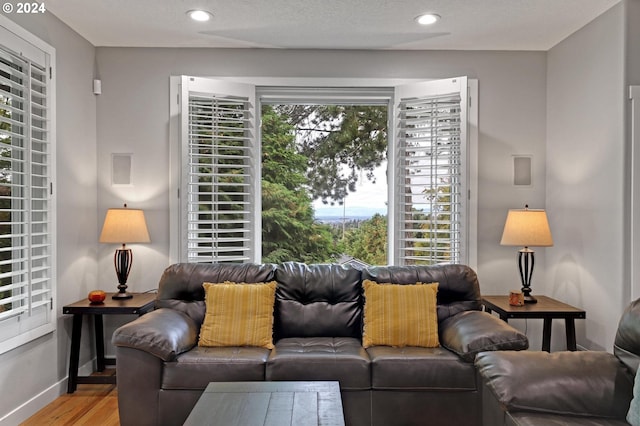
<point>196,368</point>
<point>320,358</point>
<point>458,288</point>
<point>400,315</point>
<point>413,368</point>
<point>238,315</point>
<point>317,301</point>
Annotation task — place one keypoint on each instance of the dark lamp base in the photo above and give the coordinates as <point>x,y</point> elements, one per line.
<point>525,264</point>
<point>121,296</point>
<point>122,261</point>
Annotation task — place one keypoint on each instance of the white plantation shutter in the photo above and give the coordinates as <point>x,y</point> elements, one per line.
<point>26,204</point>
<point>431,187</point>
<point>216,212</point>
<point>219,175</point>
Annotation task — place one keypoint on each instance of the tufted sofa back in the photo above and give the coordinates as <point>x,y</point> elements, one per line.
<point>317,301</point>
<point>458,288</point>
<point>627,342</point>
<point>180,286</point>
<point>322,300</point>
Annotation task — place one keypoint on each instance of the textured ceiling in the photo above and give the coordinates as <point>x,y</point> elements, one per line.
<point>330,24</point>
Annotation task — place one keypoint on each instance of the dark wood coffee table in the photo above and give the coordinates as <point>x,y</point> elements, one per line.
<point>268,403</point>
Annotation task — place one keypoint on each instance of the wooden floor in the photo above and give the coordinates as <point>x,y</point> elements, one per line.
<point>89,405</point>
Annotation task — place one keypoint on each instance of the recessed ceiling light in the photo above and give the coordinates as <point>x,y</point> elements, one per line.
<point>427,19</point>
<point>199,15</point>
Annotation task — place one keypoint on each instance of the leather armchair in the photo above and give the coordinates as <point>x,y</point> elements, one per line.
<point>562,388</point>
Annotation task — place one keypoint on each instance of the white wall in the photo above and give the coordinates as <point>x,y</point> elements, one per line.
<point>33,374</point>
<point>133,115</point>
<point>586,173</point>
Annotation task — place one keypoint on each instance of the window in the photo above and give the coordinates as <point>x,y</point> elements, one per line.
<point>432,174</point>
<point>26,204</point>
<point>217,176</point>
<point>323,177</point>
<point>218,180</point>
<point>431,167</point>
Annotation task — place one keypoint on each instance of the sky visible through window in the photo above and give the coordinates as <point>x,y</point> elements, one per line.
<point>368,199</point>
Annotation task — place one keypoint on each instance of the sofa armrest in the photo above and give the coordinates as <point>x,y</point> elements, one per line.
<point>471,332</point>
<point>163,333</point>
<point>139,383</point>
<point>586,383</point>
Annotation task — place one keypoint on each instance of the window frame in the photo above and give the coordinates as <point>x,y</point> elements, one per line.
<point>634,269</point>
<point>312,90</point>
<point>22,328</point>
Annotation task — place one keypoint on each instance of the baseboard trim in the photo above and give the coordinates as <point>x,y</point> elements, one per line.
<point>41,400</point>
<point>35,404</point>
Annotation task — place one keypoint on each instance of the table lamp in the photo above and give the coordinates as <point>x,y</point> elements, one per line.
<point>123,226</point>
<point>526,228</point>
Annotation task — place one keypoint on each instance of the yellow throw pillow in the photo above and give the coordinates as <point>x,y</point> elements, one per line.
<point>238,314</point>
<point>400,315</point>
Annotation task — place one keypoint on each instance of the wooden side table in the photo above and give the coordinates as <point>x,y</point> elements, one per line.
<point>547,308</point>
<point>140,304</point>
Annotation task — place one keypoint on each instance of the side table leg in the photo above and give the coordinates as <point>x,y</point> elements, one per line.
<point>546,335</point>
<point>99,341</point>
<point>76,332</point>
<point>570,327</point>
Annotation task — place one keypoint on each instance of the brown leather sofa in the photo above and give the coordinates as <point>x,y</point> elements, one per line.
<point>318,320</point>
<point>585,388</point>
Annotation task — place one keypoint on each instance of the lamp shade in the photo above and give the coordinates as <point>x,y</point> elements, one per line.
<point>123,226</point>
<point>527,228</point>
